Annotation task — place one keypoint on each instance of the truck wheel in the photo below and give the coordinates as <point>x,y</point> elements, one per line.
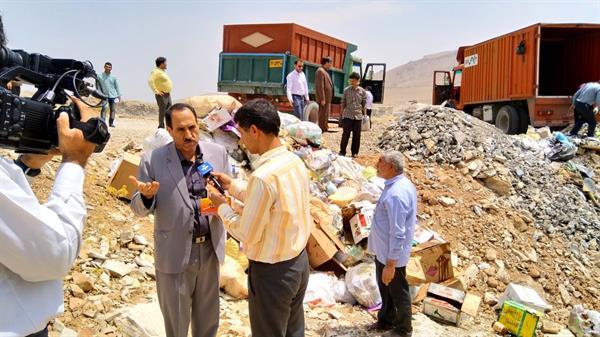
<point>508,120</point>
<point>311,112</point>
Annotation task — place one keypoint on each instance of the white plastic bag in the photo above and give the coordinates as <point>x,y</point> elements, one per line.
<point>305,131</point>
<point>159,138</point>
<point>365,125</point>
<point>341,293</point>
<point>287,119</point>
<point>319,291</point>
<point>362,284</point>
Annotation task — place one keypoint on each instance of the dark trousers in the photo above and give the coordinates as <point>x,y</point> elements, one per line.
<point>275,296</point>
<point>163,102</point>
<point>584,113</point>
<point>299,104</point>
<point>396,302</point>
<point>113,110</point>
<point>369,112</point>
<point>43,333</point>
<point>350,126</point>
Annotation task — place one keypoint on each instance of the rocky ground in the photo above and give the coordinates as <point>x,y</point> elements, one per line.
<point>532,228</point>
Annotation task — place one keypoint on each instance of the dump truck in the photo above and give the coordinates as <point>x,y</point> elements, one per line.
<point>256,59</point>
<point>526,77</point>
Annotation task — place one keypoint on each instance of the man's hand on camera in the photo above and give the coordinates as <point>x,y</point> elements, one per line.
<point>36,161</point>
<point>148,190</point>
<point>71,143</point>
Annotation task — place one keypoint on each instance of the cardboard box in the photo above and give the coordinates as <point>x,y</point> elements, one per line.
<point>322,246</point>
<point>524,295</point>
<point>448,304</point>
<point>360,226</point>
<point>120,179</point>
<point>435,260</point>
<point>414,272</point>
<point>519,319</point>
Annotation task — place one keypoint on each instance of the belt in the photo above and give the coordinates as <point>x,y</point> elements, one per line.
<point>201,239</point>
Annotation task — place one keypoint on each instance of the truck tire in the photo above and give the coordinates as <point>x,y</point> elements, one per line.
<point>508,120</point>
<point>311,112</point>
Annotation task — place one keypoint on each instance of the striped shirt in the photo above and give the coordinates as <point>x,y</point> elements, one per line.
<point>275,223</point>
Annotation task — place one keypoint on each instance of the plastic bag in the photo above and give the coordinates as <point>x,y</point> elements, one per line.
<point>319,160</point>
<point>362,284</point>
<point>233,279</point>
<point>365,124</point>
<point>343,196</point>
<point>287,119</point>
<point>319,291</point>
<point>160,138</point>
<point>305,132</point>
<point>341,293</point>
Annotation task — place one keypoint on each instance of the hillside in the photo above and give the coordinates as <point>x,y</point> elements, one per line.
<point>413,80</point>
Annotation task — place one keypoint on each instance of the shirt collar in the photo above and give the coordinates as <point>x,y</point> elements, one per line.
<point>270,155</point>
<point>394,179</point>
<point>183,160</point>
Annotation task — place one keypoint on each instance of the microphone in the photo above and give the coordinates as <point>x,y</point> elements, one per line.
<point>205,170</point>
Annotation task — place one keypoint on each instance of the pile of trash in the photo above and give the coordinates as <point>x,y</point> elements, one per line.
<point>517,168</point>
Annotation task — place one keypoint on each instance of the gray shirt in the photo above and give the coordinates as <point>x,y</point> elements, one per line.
<point>353,102</point>
<point>589,93</point>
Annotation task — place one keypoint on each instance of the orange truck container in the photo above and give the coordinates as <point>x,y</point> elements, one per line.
<point>526,77</point>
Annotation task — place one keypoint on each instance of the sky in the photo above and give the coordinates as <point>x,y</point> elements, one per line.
<point>131,34</point>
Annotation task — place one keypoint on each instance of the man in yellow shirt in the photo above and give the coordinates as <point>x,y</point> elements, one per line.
<point>161,85</point>
<point>274,225</point>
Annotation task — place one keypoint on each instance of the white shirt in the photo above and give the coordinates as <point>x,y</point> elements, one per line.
<point>38,245</point>
<point>369,103</point>
<point>296,85</point>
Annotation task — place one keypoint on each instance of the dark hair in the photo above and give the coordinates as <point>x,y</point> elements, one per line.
<point>355,76</point>
<point>326,60</point>
<point>260,113</point>
<point>108,64</point>
<point>160,60</point>
<point>177,107</point>
<point>2,36</point>
<point>298,61</point>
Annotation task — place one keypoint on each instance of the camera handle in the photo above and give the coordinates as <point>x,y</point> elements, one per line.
<point>94,131</point>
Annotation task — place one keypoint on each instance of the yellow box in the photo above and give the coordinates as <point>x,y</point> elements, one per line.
<point>519,319</point>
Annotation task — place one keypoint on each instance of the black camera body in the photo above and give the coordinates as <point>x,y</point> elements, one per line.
<point>29,124</point>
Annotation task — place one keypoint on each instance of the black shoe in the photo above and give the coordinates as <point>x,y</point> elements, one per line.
<point>112,125</point>
<point>380,326</point>
<point>354,155</point>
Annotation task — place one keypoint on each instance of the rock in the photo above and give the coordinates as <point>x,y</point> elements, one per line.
<point>66,332</point>
<point>142,320</point>
<point>126,236</point>
<point>498,185</point>
<point>491,254</point>
<point>150,271</point>
<point>136,247</point>
<point>87,332</point>
<point>550,327</point>
<point>144,260</point>
<point>531,254</point>
<point>118,218</point>
<point>140,240</point>
<point>75,303</point>
<point>105,278</point>
<point>459,137</point>
<point>414,135</point>
<point>430,144</point>
<point>77,291</point>
<point>562,333</point>
<point>83,281</point>
<point>447,201</point>
<point>117,268</point>
<point>564,294</point>
<point>96,255</point>
<point>534,272</point>
<point>492,282</point>
<point>490,299</point>
<point>89,310</point>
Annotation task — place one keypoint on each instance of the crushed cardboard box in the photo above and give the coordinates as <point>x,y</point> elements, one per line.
<point>120,179</point>
<point>447,304</point>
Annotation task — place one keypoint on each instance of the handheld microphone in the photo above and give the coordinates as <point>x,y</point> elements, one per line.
<point>205,170</point>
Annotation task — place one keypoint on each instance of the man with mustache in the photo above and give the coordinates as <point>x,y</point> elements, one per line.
<point>189,242</point>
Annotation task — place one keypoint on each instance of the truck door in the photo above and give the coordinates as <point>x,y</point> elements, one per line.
<point>442,87</point>
<point>374,77</point>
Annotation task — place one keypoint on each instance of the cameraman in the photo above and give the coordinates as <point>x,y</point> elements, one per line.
<point>39,243</point>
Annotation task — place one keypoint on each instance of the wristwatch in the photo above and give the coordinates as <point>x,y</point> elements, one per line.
<point>26,169</point>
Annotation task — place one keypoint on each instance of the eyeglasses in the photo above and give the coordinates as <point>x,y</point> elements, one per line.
<point>299,67</point>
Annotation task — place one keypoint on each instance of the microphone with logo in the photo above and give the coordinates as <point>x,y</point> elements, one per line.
<point>205,170</point>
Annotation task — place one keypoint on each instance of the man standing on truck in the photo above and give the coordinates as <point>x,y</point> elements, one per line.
<point>354,101</point>
<point>586,102</point>
<point>297,89</point>
<point>324,92</point>
<point>161,85</point>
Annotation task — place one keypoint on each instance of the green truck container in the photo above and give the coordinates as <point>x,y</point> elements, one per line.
<point>256,59</point>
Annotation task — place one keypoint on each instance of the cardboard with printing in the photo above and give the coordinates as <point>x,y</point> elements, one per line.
<point>435,260</point>
<point>414,272</point>
<point>322,246</point>
<point>360,226</point>
<point>448,304</point>
<point>518,319</point>
<point>120,179</point>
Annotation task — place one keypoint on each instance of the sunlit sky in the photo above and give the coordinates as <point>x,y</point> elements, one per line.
<point>131,34</point>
